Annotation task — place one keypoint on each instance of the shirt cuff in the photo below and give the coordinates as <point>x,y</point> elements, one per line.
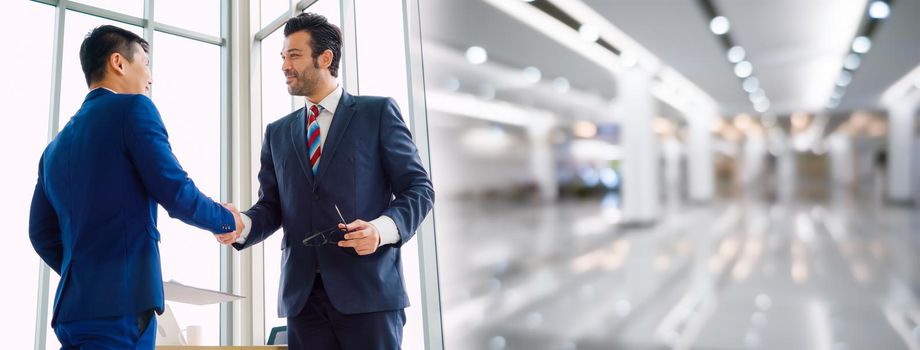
<point>247,225</point>
<point>386,228</point>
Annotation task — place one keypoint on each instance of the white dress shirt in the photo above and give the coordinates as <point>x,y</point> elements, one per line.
<point>385,225</point>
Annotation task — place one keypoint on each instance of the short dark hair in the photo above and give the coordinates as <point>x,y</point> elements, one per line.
<point>325,36</point>
<point>100,44</point>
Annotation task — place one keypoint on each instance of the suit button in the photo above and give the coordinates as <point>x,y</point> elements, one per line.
<point>315,197</point>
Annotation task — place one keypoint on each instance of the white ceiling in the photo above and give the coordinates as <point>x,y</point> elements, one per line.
<point>796,47</point>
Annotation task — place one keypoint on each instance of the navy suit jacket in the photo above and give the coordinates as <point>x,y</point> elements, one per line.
<point>94,211</point>
<point>369,167</point>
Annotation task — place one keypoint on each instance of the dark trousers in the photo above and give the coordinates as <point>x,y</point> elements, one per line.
<point>319,326</point>
<point>110,333</point>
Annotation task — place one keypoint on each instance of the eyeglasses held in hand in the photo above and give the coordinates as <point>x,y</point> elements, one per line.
<point>328,236</point>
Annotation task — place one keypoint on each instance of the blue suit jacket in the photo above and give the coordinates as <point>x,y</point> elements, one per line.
<point>94,211</point>
<point>368,158</point>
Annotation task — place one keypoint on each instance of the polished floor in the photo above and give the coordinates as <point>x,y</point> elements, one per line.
<point>836,274</point>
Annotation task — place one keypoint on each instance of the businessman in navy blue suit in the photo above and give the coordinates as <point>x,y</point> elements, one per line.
<point>94,211</point>
<point>340,151</point>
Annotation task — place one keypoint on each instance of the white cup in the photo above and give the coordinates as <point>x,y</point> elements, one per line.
<point>193,335</point>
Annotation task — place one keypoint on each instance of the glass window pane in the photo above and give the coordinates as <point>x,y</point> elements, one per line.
<point>129,7</point>
<point>73,91</point>
<point>25,88</point>
<point>272,9</point>
<point>73,83</point>
<point>381,50</point>
<point>206,18</point>
<point>382,66</point>
<point>188,98</point>
<point>276,103</point>
<point>332,9</point>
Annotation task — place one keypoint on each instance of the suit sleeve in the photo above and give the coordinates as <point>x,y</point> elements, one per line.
<point>165,180</point>
<point>411,186</point>
<point>266,213</point>
<point>44,229</point>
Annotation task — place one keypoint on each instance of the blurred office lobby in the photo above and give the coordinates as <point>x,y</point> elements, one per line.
<point>609,174</point>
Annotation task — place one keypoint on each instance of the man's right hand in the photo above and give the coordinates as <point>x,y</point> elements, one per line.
<point>231,237</point>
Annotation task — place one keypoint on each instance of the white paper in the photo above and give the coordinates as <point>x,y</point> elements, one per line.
<point>179,292</point>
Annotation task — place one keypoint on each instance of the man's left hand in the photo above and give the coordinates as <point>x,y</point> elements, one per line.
<point>362,236</point>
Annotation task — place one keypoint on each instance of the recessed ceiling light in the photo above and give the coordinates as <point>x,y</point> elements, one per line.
<point>838,92</point>
<point>852,61</point>
<point>588,33</point>
<point>750,84</point>
<point>719,25</point>
<point>844,79</point>
<point>736,54</point>
<point>757,95</point>
<point>561,85</point>
<point>861,44</point>
<point>532,75</point>
<point>762,105</point>
<point>879,10</point>
<point>476,55</point>
<point>744,69</point>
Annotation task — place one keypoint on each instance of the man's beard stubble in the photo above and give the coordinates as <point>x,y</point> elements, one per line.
<point>306,82</point>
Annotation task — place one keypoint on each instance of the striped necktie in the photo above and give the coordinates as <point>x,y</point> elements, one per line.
<point>314,144</point>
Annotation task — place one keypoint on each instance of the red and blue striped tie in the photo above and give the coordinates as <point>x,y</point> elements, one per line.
<point>314,145</point>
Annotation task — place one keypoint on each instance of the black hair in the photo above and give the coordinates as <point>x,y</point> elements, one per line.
<point>324,36</point>
<point>100,44</point>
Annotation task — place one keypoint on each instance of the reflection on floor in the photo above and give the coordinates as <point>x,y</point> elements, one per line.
<point>741,274</point>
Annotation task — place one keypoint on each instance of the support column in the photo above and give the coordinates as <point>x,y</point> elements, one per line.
<point>640,148</point>
<point>753,155</point>
<point>542,163</point>
<point>700,168</point>
<point>901,128</point>
<point>840,153</point>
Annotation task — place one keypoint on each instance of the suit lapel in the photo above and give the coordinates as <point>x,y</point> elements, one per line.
<point>340,121</point>
<point>299,142</point>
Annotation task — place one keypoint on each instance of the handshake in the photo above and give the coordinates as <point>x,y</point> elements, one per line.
<point>231,237</point>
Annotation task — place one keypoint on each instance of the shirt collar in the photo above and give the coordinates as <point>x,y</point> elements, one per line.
<point>331,101</point>
<point>113,91</point>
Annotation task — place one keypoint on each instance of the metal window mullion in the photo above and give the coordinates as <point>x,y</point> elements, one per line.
<point>44,272</point>
<point>188,34</point>
<point>272,27</point>
<point>303,5</point>
<point>251,142</point>
<point>226,178</point>
<point>418,119</point>
<point>254,149</point>
<point>107,14</point>
<point>350,52</point>
<point>148,35</point>
<point>47,2</point>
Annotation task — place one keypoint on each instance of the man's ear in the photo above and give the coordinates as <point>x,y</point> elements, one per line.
<point>325,59</point>
<point>117,63</point>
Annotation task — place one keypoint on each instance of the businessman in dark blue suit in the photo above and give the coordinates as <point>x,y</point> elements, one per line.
<point>339,151</point>
<point>94,211</point>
